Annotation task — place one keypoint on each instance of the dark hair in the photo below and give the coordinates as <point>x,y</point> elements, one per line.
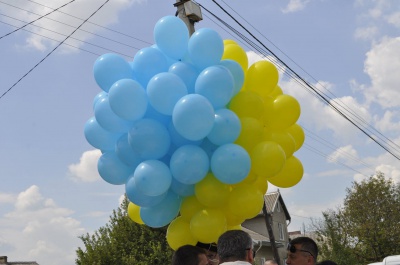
<point>233,244</point>
<point>326,262</point>
<point>306,244</point>
<point>187,255</point>
<point>209,246</point>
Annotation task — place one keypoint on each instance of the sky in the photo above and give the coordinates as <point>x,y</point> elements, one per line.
<point>50,191</point>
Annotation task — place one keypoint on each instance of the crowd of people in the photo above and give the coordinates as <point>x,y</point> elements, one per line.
<point>235,247</point>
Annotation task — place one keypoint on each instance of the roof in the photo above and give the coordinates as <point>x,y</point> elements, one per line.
<point>271,200</point>
<point>4,260</point>
<point>259,239</point>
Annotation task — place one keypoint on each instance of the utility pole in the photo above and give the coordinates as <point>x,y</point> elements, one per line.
<point>189,12</point>
<point>268,223</point>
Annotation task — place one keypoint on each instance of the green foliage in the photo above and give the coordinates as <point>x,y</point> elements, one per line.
<point>367,228</point>
<point>123,242</point>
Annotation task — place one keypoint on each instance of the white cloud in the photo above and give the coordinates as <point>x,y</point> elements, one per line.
<point>295,5</point>
<point>37,229</point>
<point>382,66</point>
<point>389,122</point>
<point>366,33</point>
<point>63,22</point>
<point>86,169</point>
<point>394,19</point>
<point>346,154</point>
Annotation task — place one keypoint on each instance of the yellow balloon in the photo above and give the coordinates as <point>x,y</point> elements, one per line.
<point>251,133</point>
<point>234,227</point>
<point>211,192</point>
<point>190,205</point>
<point>207,225</point>
<point>285,140</point>
<point>290,175</point>
<point>245,201</point>
<point>298,135</point>
<point>178,234</point>
<point>250,178</point>
<point>267,159</point>
<point>247,104</point>
<point>236,53</point>
<point>282,113</point>
<point>262,77</point>
<point>261,184</point>
<point>277,91</point>
<point>134,213</point>
<point>232,219</point>
<point>227,41</point>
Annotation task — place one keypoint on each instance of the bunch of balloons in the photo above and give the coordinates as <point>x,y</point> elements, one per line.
<point>193,133</point>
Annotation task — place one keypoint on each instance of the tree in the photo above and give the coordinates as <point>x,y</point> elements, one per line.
<point>123,242</point>
<point>367,227</point>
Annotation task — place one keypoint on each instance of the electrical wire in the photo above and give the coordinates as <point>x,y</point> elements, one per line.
<point>306,84</point>
<point>87,22</point>
<point>65,24</point>
<point>52,50</point>
<point>54,10</point>
<point>73,38</point>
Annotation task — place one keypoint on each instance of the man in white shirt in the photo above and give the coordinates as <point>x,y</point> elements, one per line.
<point>235,247</point>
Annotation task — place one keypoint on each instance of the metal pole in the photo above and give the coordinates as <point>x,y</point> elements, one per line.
<point>181,14</point>
<point>268,223</point>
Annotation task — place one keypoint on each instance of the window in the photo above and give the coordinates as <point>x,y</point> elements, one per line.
<point>281,232</point>
<point>278,207</point>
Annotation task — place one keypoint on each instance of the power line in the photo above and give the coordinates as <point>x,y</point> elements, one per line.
<point>73,38</point>
<point>305,84</point>
<point>36,19</point>
<point>53,50</point>
<point>62,23</point>
<point>87,22</point>
<point>52,39</point>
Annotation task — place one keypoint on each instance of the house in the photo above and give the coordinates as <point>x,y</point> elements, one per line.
<point>4,260</point>
<point>257,229</point>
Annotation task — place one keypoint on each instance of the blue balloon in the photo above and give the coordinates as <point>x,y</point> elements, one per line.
<point>149,138</point>
<point>128,99</point>
<point>177,139</point>
<point>230,163</point>
<point>138,198</point>
<point>171,36</point>
<point>208,147</point>
<point>147,63</point>
<point>237,74</point>
<point>206,48</point>
<point>226,127</point>
<point>189,164</point>
<point>153,114</point>
<point>152,177</point>
<point>112,170</point>
<point>109,68</point>
<point>216,84</point>
<point>164,90</point>
<point>181,189</point>
<point>98,137</point>
<point>187,72</point>
<point>163,213</point>
<point>108,119</point>
<point>125,152</point>
<point>99,96</point>
<point>193,117</point>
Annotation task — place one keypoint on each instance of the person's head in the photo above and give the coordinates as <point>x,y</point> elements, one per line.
<point>189,255</point>
<point>302,251</point>
<point>235,245</point>
<point>326,262</point>
<point>211,252</point>
<point>270,262</point>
